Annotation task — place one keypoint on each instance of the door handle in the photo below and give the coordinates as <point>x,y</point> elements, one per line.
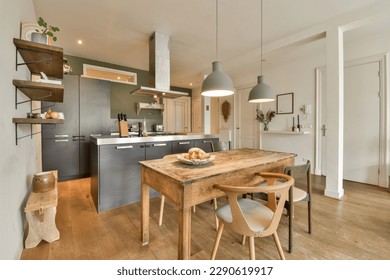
<point>123,147</point>
<point>323,128</point>
<point>159,145</point>
<point>61,136</point>
<point>61,140</point>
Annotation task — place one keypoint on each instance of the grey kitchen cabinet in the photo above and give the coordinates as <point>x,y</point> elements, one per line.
<point>86,109</point>
<point>182,146</point>
<point>119,175</point>
<point>205,144</point>
<point>115,179</point>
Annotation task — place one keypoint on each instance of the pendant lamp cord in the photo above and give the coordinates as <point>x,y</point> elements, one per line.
<point>261,38</point>
<point>216,30</point>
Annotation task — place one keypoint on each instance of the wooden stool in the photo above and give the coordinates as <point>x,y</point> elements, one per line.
<point>41,211</point>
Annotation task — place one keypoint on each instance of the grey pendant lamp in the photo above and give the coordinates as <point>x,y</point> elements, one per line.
<point>217,83</point>
<point>261,92</point>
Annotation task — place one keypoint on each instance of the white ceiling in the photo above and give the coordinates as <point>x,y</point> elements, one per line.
<point>117,31</point>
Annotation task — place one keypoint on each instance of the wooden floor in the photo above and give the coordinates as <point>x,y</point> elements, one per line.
<point>356,227</point>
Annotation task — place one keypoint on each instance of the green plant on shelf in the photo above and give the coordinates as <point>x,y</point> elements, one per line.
<point>46,29</point>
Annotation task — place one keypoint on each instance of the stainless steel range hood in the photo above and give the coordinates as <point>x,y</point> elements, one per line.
<point>159,70</point>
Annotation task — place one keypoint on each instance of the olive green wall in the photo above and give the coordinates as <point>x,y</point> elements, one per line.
<point>121,100</point>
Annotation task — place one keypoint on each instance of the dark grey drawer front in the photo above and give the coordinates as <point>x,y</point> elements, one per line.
<point>182,146</point>
<point>119,175</point>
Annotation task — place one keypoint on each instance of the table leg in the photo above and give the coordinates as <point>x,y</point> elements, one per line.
<point>184,250</point>
<point>144,213</point>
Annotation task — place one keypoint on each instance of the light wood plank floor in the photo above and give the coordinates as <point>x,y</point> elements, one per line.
<point>356,227</point>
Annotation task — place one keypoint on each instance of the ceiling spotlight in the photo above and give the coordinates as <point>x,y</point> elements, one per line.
<point>80,42</point>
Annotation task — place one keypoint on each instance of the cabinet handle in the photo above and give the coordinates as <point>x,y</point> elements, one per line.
<point>94,135</point>
<point>159,145</point>
<point>79,136</point>
<point>61,140</point>
<point>61,136</point>
<point>207,141</point>
<point>123,147</point>
<point>184,143</point>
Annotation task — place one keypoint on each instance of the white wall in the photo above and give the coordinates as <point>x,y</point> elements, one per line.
<point>17,163</point>
<point>295,74</point>
<point>294,71</point>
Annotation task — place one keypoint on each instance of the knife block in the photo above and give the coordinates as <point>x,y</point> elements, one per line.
<point>123,129</point>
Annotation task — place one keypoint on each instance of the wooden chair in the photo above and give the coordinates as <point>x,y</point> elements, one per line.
<point>220,146</point>
<point>250,217</point>
<point>298,193</point>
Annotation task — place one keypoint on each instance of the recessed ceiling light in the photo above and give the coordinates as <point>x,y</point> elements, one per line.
<point>80,42</point>
<point>190,84</point>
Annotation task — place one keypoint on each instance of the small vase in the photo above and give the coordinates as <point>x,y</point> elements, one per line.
<point>265,127</point>
<point>43,182</point>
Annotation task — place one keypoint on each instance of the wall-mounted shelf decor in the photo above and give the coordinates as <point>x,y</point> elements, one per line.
<point>32,121</point>
<point>40,58</point>
<point>285,132</point>
<point>39,91</point>
<point>155,106</point>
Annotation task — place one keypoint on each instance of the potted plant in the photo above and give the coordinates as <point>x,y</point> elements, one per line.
<point>41,35</point>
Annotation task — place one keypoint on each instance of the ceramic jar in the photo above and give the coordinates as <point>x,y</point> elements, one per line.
<point>43,182</point>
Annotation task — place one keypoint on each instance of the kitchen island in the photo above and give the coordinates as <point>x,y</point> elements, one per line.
<point>115,169</point>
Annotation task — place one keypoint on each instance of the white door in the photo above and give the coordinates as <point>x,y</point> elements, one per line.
<point>247,130</point>
<point>361,123</point>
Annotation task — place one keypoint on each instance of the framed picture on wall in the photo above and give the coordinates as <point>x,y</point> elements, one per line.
<point>285,103</point>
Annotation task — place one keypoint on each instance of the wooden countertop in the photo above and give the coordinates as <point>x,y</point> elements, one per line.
<point>224,163</point>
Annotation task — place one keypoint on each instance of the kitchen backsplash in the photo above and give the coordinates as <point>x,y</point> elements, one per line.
<point>149,123</point>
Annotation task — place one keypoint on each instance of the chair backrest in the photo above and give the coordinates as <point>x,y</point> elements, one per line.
<point>220,146</point>
<point>300,171</point>
<point>277,186</point>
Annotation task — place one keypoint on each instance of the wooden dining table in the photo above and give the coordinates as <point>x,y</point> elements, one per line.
<point>189,185</point>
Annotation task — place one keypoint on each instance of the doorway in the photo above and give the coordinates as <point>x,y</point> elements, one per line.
<point>365,131</point>
<point>247,128</point>
<point>361,123</point>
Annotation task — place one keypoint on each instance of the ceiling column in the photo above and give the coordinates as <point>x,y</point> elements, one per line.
<point>335,116</point>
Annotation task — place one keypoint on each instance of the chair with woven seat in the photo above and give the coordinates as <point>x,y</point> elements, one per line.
<point>299,192</point>
<point>250,217</point>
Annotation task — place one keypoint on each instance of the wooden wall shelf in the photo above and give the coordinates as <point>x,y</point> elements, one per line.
<point>38,58</point>
<point>31,121</point>
<point>41,91</point>
<point>41,58</point>
<point>37,121</point>
<point>155,106</point>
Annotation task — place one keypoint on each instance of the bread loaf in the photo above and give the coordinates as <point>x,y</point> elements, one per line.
<point>196,153</point>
